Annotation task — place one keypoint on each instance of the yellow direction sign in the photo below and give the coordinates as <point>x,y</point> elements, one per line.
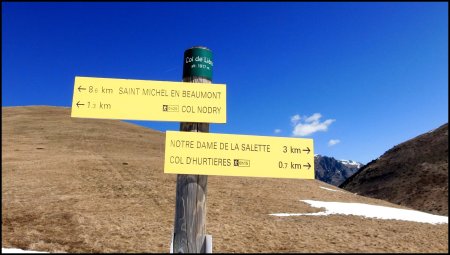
<point>238,155</point>
<point>105,98</point>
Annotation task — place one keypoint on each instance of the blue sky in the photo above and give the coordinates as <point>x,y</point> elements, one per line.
<point>358,78</point>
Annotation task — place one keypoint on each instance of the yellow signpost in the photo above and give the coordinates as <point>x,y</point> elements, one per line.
<point>196,154</point>
<point>238,155</point>
<point>105,98</point>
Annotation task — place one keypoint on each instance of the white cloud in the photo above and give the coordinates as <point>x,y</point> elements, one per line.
<point>310,125</point>
<point>333,142</point>
<point>313,118</point>
<point>277,131</point>
<point>295,119</point>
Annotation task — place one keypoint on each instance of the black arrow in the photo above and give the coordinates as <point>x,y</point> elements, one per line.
<point>308,165</point>
<point>78,104</point>
<point>308,150</point>
<point>80,88</point>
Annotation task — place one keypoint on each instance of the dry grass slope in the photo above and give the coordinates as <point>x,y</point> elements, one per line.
<point>413,173</point>
<point>86,185</point>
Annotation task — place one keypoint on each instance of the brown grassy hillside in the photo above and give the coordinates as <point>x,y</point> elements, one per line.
<point>413,174</point>
<point>86,185</point>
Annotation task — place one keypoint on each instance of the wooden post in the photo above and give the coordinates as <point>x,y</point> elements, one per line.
<point>190,206</point>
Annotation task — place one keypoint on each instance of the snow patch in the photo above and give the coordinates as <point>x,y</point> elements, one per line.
<point>330,189</point>
<point>369,211</point>
<point>15,250</point>
<point>350,162</point>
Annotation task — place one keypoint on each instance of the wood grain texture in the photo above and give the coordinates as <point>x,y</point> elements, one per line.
<point>190,204</point>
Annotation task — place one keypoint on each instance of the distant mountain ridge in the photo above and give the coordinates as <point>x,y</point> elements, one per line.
<point>413,173</point>
<point>334,171</point>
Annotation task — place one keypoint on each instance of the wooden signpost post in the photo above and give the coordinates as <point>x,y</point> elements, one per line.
<point>190,206</point>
